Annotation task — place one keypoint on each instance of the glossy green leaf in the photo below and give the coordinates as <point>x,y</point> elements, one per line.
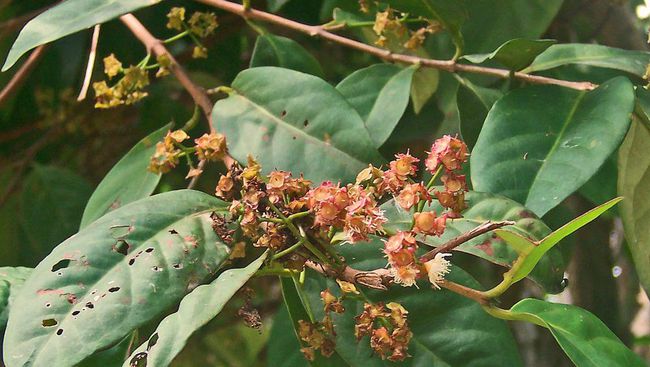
<point>481,208</point>
<point>113,356</point>
<point>195,310</point>
<point>283,347</point>
<point>532,251</point>
<point>11,279</point>
<point>634,186</point>
<point>633,62</point>
<point>451,14</point>
<point>491,23</point>
<point>52,202</point>
<point>602,186</point>
<point>380,94</point>
<point>540,144</point>
<point>296,122</point>
<point>128,181</point>
<point>433,314</point>
<point>66,18</point>
<point>121,271</point>
<point>474,103</point>
<point>515,54</point>
<point>582,336</point>
<point>283,52</point>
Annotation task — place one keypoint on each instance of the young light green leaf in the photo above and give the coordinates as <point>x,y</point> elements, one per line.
<point>481,208</point>
<point>582,336</point>
<point>122,270</point>
<point>203,304</point>
<point>66,18</point>
<point>296,122</point>
<point>11,279</point>
<point>284,52</point>
<point>474,102</point>
<point>52,204</point>
<point>554,138</point>
<point>633,62</point>
<point>532,254</point>
<point>380,94</point>
<point>515,54</point>
<point>128,181</point>
<point>634,185</point>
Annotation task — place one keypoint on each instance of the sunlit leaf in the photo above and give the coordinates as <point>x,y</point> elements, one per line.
<point>515,54</point>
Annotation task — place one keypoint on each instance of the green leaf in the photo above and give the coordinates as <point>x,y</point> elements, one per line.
<point>602,185</point>
<point>128,181</point>
<point>433,314</point>
<point>451,14</point>
<point>113,356</point>
<point>474,103</point>
<point>279,51</point>
<point>515,54</point>
<point>582,336</point>
<point>283,348</point>
<point>425,83</point>
<point>195,310</point>
<point>11,280</point>
<point>121,271</point>
<point>380,94</point>
<point>481,208</point>
<point>540,144</point>
<point>491,23</point>
<point>296,122</point>
<point>634,186</point>
<point>633,62</point>
<point>66,18</point>
<point>531,255</point>
<point>275,5</point>
<point>52,203</point>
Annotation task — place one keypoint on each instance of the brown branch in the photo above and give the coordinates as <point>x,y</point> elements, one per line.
<point>459,240</point>
<point>21,75</point>
<point>158,48</point>
<point>447,65</point>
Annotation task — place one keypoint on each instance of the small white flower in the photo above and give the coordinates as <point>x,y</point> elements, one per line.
<point>437,268</point>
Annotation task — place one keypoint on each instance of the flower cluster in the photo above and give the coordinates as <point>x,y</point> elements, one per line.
<point>449,153</point>
<point>390,25</point>
<point>128,89</point>
<point>211,147</point>
<point>320,335</point>
<point>200,24</point>
<point>387,327</point>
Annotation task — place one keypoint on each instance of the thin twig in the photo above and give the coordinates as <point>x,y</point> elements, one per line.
<point>447,65</point>
<point>21,75</point>
<point>459,240</point>
<point>91,63</point>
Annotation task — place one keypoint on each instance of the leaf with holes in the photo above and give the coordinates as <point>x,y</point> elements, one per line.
<point>515,54</point>
<point>532,251</point>
<point>489,207</point>
<point>116,274</point>
<point>582,336</point>
<point>633,62</point>
<point>195,310</point>
<point>52,203</point>
<point>296,122</point>
<point>380,94</point>
<point>540,144</point>
<point>66,18</point>
<point>11,279</point>
<point>634,185</point>
<point>128,181</point>
<point>432,315</point>
<point>474,102</point>
<point>284,52</point>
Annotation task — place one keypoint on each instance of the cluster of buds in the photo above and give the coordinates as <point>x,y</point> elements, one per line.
<point>351,208</point>
<point>390,24</point>
<point>400,250</point>
<point>130,87</point>
<point>320,335</point>
<point>200,24</point>
<point>449,153</point>
<point>211,147</point>
<point>388,329</point>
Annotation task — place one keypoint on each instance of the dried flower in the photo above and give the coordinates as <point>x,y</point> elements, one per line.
<point>331,303</point>
<point>437,268</point>
<point>211,146</point>
<point>347,287</point>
